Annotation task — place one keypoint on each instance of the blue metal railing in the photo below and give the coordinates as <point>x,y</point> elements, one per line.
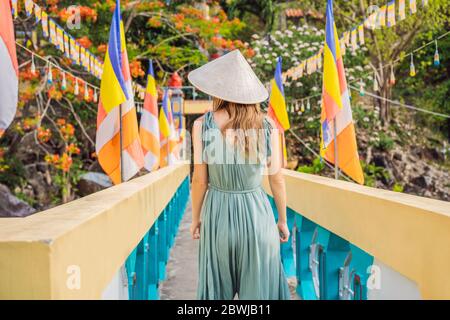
<point>146,265</point>
<point>327,267</point>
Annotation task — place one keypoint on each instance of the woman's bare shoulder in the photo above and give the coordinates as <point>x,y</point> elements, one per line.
<point>199,121</point>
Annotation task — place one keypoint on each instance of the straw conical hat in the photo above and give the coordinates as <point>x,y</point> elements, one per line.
<point>229,78</point>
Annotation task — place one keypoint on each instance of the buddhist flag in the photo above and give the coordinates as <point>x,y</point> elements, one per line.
<point>9,79</point>
<point>277,108</point>
<point>37,13</point>
<point>391,14</point>
<point>361,34</point>
<point>168,135</point>
<point>336,108</point>
<point>44,21</point>
<point>66,46</point>
<point>118,146</point>
<point>347,37</point>
<point>60,38</point>
<point>354,40</point>
<point>401,10</point>
<point>149,129</point>
<point>15,8</point>
<point>29,7</point>
<point>87,63</point>
<point>342,43</point>
<point>52,26</point>
<point>382,16</point>
<point>73,51</point>
<point>412,6</point>
<point>82,56</point>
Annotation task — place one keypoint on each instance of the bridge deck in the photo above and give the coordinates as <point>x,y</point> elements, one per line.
<point>181,282</point>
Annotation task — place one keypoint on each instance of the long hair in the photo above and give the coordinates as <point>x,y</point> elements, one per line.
<point>245,123</point>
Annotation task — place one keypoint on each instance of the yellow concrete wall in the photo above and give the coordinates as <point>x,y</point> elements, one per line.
<point>96,233</point>
<point>408,233</point>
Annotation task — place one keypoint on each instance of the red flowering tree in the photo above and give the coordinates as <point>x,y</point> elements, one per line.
<point>51,142</point>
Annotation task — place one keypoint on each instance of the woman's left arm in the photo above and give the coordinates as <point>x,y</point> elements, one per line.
<point>199,179</point>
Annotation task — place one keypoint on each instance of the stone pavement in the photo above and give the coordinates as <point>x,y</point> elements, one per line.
<point>181,282</point>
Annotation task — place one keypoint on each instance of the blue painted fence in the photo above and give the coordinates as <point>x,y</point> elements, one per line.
<point>146,265</point>
<point>327,266</point>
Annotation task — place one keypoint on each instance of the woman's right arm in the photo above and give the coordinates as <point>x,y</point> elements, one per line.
<point>277,184</point>
<point>199,179</point>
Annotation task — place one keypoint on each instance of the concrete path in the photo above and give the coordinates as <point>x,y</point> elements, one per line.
<point>181,282</point>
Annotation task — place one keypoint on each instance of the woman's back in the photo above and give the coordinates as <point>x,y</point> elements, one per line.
<point>228,167</point>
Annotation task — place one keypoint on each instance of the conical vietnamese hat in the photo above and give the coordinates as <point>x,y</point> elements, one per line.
<point>229,78</point>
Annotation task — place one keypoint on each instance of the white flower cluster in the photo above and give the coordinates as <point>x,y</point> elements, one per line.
<point>292,44</point>
<point>295,45</point>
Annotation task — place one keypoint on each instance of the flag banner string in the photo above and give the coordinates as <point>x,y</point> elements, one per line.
<point>67,44</point>
<point>389,65</point>
<point>63,41</point>
<point>398,103</point>
<point>50,63</point>
<point>432,42</point>
<point>65,73</point>
<point>373,95</point>
<point>376,19</point>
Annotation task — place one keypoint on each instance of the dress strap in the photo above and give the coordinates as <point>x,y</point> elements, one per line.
<point>207,124</point>
<point>268,131</point>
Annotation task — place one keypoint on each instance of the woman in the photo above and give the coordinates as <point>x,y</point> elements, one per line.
<point>231,215</point>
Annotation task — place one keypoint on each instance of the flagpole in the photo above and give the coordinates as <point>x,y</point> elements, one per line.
<point>121,143</point>
<point>168,151</point>
<point>336,159</point>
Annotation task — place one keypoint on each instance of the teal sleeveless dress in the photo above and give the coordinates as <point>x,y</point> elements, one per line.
<point>239,249</point>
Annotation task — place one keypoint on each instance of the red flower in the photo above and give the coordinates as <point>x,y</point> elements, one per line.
<point>136,69</point>
<point>72,149</point>
<point>85,42</point>
<point>102,48</point>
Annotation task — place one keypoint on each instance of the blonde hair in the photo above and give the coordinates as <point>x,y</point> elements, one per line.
<point>244,119</point>
<point>242,116</point>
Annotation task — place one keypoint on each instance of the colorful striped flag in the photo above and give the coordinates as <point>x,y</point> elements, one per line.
<point>52,26</point>
<point>391,14</point>
<point>15,8</point>
<point>336,108</point>
<point>29,7</point>
<point>9,79</point>
<point>117,141</point>
<point>412,6</point>
<point>354,40</point>
<point>167,130</point>
<point>277,108</point>
<point>73,51</point>
<point>361,34</point>
<point>382,16</point>
<point>37,13</point>
<point>66,45</point>
<point>44,21</point>
<point>59,38</point>
<point>401,10</point>
<point>149,129</point>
